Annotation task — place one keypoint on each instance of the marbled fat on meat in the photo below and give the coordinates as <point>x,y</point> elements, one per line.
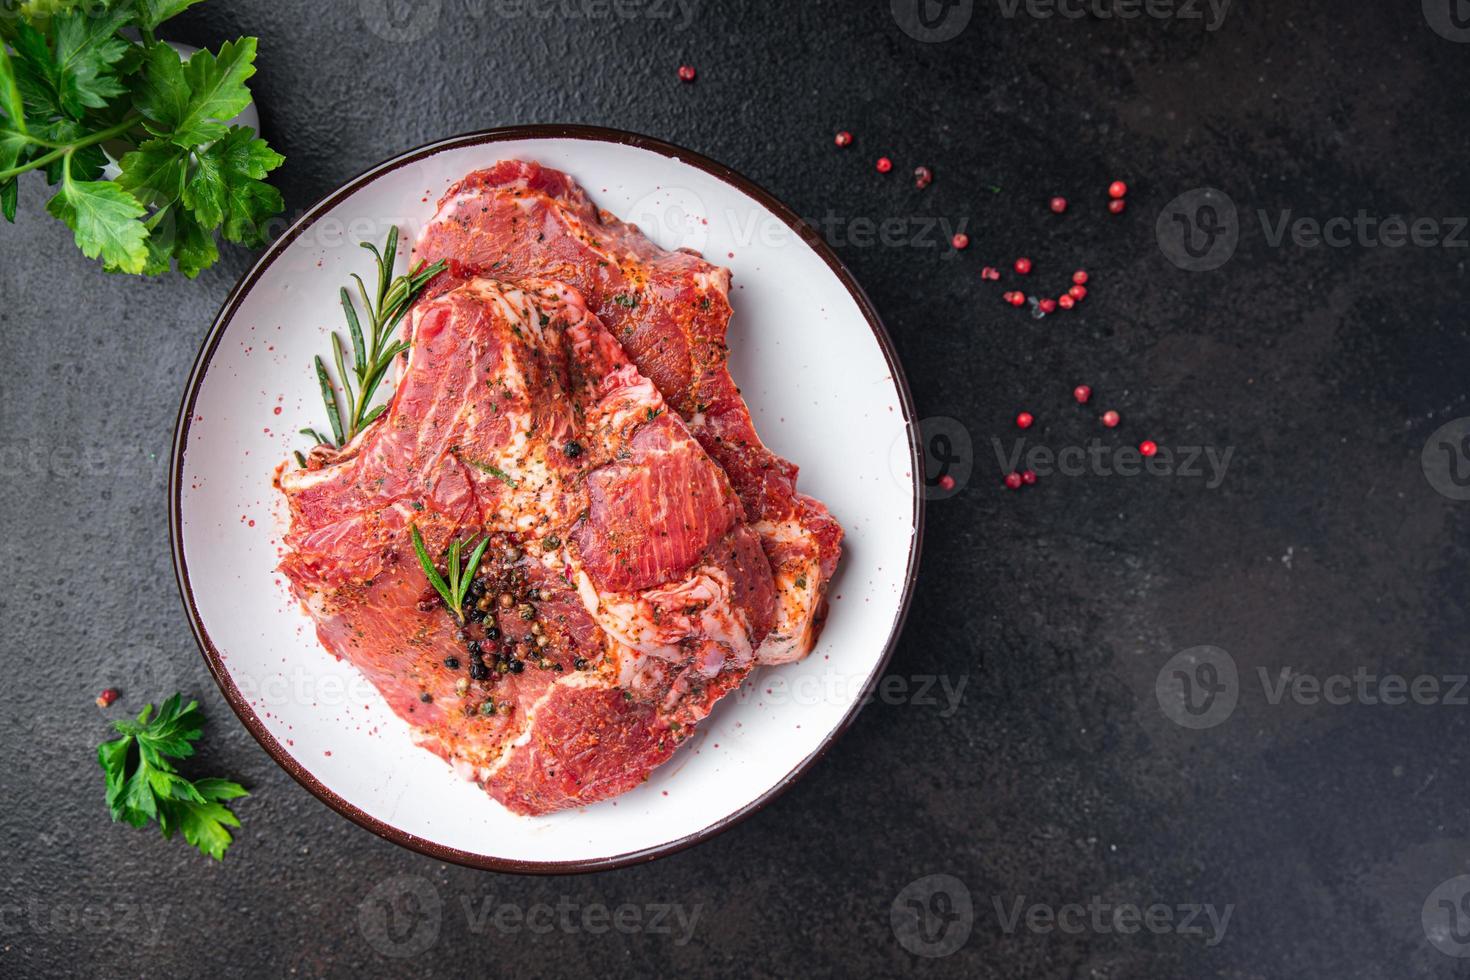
<point>670,311</point>
<point>520,416</point>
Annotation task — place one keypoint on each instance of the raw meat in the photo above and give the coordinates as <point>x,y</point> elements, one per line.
<point>670,311</point>
<point>625,591</point>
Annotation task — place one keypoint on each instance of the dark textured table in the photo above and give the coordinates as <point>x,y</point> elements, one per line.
<point>1210,722</point>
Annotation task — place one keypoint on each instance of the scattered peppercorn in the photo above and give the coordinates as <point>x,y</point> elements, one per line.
<point>1066,302</point>
<point>946,482</point>
<point>923,177</point>
<point>1117,190</point>
<point>1023,266</point>
<point>1028,477</point>
<point>1013,481</point>
<point>1116,207</point>
<point>452,663</point>
<point>1110,419</point>
<point>1080,276</point>
<point>1148,447</point>
<point>572,449</point>
<point>960,241</point>
<point>1018,299</point>
<point>1077,292</point>
<point>1058,205</point>
<point>1082,393</point>
<point>990,272</point>
<point>884,165</point>
<point>844,138</point>
<point>107,696</point>
<point>1024,420</point>
<point>1047,305</point>
<point>686,73</point>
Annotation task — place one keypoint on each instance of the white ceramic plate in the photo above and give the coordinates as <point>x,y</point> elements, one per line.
<point>823,384</point>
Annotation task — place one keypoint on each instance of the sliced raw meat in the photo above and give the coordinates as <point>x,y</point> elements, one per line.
<point>623,592</point>
<point>670,311</point>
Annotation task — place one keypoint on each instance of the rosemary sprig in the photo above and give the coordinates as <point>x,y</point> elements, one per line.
<point>454,591</point>
<point>349,400</point>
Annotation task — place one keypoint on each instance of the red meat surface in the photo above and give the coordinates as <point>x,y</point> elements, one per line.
<point>624,591</point>
<point>670,312</point>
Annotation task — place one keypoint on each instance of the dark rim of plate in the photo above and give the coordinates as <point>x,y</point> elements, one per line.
<point>221,324</point>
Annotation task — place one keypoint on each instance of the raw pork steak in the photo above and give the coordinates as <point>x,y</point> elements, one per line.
<point>670,311</point>
<point>623,592</point>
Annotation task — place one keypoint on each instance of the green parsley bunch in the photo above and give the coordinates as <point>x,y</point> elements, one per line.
<point>143,785</point>
<point>80,75</point>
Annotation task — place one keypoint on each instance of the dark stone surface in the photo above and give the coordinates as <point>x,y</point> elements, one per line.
<point>1058,777</point>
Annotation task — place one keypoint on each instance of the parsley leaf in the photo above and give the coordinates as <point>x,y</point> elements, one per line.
<point>154,790</point>
<point>103,218</point>
<point>154,12</point>
<point>87,48</point>
<point>11,103</point>
<point>228,187</point>
<point>77,76</point>
<point>162,94</point>
<point>216,91</point>
<point>154,173</point>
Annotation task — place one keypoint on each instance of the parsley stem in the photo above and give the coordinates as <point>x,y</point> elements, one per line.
<point>34,140</point>
<point>70,148</point>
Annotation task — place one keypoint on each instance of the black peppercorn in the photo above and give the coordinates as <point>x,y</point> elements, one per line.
<point>479,671</point>
<point>425,697</point>
<point>452,663</point>
<point>516,666</point>
<point>573,450</point>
